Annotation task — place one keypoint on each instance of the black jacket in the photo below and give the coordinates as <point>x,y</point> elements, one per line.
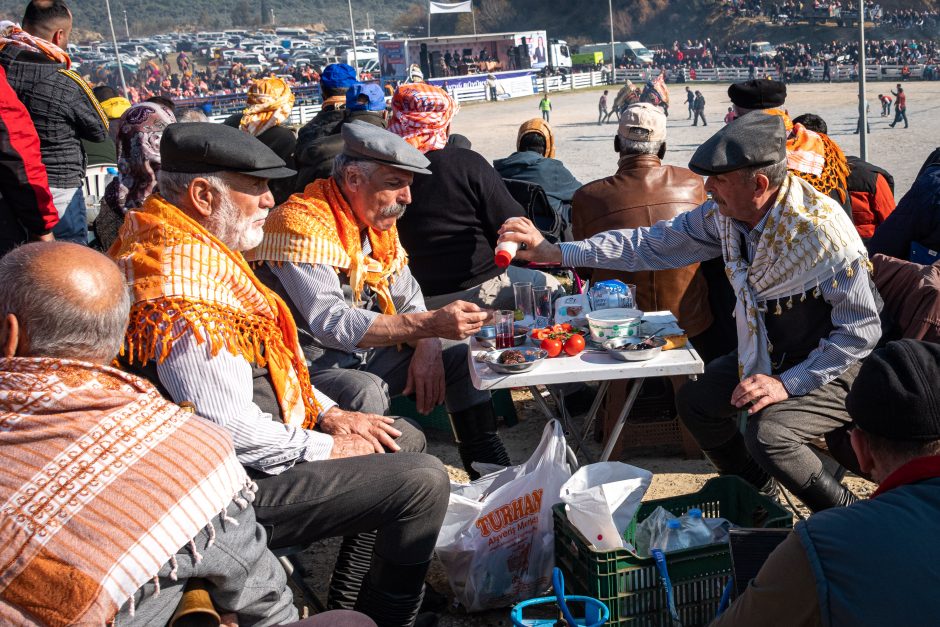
<point>63,110</point>
<point>282,142</point>
<point>314,157</point>
<point>450,227</point>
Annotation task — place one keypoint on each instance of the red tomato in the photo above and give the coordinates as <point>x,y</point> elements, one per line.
<point>552,347</point>
<point>574,345</point>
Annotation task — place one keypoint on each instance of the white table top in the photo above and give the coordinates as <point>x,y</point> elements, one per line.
<point>590,365</point>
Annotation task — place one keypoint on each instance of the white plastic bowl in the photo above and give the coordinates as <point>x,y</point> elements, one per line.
<point>608,324</point>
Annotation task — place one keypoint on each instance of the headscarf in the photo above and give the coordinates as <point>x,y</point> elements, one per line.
<point>270,102</point>
<point>540,126</point>
<point>807,239</point>
<point>115,107</point>
<point>138,155</point>
<point>421,114</point>
<point>318,227</point>
<point>814,157</point>
<point>13,35</point>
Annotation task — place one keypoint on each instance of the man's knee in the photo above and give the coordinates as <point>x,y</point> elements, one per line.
<point>426,482</point>
<point>766,436</point>
<point>354,390</point>
<point>412,438</point>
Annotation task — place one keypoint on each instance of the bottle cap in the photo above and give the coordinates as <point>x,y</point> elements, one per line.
<point>695,513</point>
<point>674,523</point>
<point>502,258</point>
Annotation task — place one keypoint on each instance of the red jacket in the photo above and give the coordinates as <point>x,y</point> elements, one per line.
<point>872,196</point>
<point>26,209</point>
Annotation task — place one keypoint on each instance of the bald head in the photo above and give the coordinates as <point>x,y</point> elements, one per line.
<point>62,300</point>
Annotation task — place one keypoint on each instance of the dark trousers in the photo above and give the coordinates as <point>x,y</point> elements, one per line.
<point>691,110</point>
<point>545,115</point>
<point>385,374</point>
<point>699,114</point>
<point>776,436</point>
<point>900,114</point>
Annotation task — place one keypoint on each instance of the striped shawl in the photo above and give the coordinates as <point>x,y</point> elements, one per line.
<point>102,481</point>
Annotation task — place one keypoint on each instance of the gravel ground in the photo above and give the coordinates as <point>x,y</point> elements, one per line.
<point>587,149</point>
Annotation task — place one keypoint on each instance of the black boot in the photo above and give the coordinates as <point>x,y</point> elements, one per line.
<point>823,491</point>
<point>391,593</point>
<point>477,439</point>
<point>352,564</point>
<point>732,458</point>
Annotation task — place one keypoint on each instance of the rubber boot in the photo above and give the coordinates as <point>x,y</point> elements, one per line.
<point>352,565</point>
<point>477,439</point>
<point>823,491</point>
<point>732,458</point>
<point>391,593</point>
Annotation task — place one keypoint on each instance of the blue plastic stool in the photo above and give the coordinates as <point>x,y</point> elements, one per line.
<point>595,612</point>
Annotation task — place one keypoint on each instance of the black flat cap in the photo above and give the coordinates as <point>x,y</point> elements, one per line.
<point>362,140</point>
<point>753,140</point>
<point>896,394</point>
<point>203,147</point>
<point>758,93</point>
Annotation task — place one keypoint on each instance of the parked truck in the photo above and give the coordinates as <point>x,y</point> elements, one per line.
<point>461,55</point>
<point>634,51</point>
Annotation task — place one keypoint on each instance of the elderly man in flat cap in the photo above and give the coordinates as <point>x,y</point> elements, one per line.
<point>811,155</point>
<point>206,330</point>
<point>846,567</point>
<point>333,253</point>
<point>805,310</point>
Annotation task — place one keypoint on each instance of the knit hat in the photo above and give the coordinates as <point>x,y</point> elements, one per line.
<point>896,394</point>
<point>758,93</point>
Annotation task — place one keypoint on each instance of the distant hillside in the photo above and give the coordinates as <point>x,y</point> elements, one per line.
<point>651,21</point>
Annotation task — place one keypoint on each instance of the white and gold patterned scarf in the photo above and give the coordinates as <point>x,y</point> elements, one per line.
<point>807,238</point>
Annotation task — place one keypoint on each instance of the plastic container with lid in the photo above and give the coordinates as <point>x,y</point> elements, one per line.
<point>696,531</point>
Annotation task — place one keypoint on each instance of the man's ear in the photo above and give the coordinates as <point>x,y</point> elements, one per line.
<point>761,184</point>
<point>201,195</point>
<point>862,447</point>
<point>9,335</point>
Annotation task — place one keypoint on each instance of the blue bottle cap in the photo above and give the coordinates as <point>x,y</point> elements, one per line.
<point>674,524</point>
<point>695,513</point>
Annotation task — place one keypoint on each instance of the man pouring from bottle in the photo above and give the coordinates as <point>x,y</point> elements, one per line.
<point>805,311</point>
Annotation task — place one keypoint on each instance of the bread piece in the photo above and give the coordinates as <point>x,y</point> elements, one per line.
<point>675,341</point>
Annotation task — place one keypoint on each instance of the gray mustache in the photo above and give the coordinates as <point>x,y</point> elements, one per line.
<point>393,211</point>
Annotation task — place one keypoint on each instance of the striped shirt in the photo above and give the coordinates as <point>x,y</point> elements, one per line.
<point>693,237</point>
<point>221,387</point>
<point>325,313</point>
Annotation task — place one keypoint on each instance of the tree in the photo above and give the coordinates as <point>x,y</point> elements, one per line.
<point>494,15</point>
<point>413,19</point>
<point>242,14</point>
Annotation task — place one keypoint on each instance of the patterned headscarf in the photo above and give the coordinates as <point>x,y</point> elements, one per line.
<point>421,114</point>
<point>270,101</point>
<point>138,155</point>
<point>541,127</point>
<point>13,35</point>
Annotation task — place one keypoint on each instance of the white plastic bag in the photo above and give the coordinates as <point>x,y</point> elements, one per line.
<point>601,499</point>
<point>497,541</point>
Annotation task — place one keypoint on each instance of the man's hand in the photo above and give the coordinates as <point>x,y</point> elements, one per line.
<point>426,375</point>
<point>45,237</point>
<point>457,321</point>
<point>350,445</point>
<point>537,249</point>
<point>762,389</point>
<point>374,429</point>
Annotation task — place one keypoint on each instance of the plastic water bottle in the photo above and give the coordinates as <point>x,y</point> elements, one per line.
<point>697,532</point>
<point>673,539</point>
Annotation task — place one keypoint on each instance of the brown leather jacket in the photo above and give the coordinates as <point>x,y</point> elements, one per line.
<point>643,192</point>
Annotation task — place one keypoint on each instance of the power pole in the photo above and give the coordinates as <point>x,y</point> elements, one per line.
<point>862,114</point>
<point>127,29</point>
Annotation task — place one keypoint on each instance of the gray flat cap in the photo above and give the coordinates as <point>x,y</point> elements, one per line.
<point>372,143</point>
<point>753,140</point>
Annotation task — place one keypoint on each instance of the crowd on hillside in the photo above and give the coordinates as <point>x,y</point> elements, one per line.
<point>836,11</point>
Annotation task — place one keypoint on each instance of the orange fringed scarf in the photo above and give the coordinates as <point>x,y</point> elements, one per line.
<point>318,226</point>
<point>814,157</point>
<point>181,273</point>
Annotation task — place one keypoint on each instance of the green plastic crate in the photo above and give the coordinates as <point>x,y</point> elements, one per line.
<point>630,586</point>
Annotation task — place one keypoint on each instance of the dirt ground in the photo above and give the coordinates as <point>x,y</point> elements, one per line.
<point>587,149</point>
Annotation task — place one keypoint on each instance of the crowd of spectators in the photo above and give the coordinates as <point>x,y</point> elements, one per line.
<point>836,11</point>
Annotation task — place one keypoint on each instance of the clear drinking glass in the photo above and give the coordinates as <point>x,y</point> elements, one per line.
<point>542,297</point>
<point>503,320</point>
<point>525,305</point>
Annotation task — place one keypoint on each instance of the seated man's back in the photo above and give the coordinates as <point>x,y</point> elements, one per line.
<point>151,495</point>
